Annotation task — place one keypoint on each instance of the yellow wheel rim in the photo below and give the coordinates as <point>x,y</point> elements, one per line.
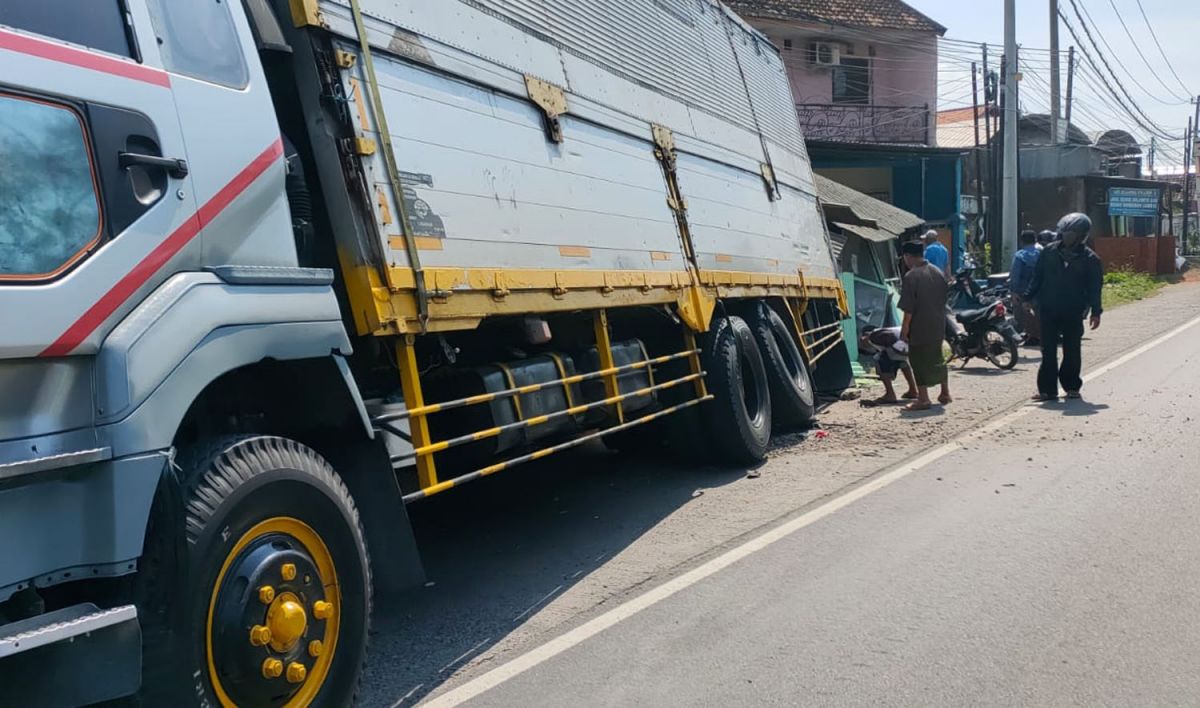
<point>316,549</point>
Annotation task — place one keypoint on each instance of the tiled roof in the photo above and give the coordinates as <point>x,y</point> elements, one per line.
<point>959,115</point>
<point>875,14</point>
<point>891,221</point>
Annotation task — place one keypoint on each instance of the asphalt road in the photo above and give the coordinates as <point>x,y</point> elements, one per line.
<point>1049,560</point>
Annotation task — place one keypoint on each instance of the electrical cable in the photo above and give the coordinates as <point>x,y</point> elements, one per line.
<point>1160,49</point>
<point>1146,61</point>
<point>1144,121</point>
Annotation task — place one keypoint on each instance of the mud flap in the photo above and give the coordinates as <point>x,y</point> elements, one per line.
<point>395,561</point>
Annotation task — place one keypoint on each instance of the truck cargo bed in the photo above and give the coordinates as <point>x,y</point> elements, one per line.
<point>497,201</point>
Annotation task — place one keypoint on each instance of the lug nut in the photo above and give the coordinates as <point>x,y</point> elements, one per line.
<point>266,594</point>
<point>260,636</point>
<point>272,668</point>
<point>296,672</point>
<point>322,610</point>
<point>288,571</point>
<point>315,647</point>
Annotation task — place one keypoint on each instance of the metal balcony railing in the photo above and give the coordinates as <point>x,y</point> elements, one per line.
<point>909,125</point>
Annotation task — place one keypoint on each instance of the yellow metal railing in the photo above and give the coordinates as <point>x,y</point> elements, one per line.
<point>546,452</point>
<point>417,412</point>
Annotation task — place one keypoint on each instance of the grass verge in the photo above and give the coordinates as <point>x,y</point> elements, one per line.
<point>1122,287</point>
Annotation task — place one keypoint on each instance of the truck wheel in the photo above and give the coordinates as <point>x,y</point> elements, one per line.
<point>739,417</point>
<point>792,400</point>
<point>267,583</point>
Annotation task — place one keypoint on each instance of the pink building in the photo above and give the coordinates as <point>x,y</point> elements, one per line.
<point>862,71</point>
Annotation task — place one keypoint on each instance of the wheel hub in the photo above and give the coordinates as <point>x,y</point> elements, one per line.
<point>270,611</point>
<point>287,621</point>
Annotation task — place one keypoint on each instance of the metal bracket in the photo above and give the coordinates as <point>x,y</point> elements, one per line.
<point>364,146</point>
<point>344,59</point>
<point>553,102</point>
<point>664,139</point>
<point>305,13</point>
<point>769,181</point>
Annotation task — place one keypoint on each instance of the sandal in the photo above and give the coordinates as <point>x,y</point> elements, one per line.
<point>879,402</point>
<point>1043,398</point>
<point>915,407</point>
<point>1074,395</point>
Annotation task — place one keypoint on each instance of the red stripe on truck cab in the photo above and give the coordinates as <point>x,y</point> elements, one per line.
<point>156,259</point>
<point>64,54</point>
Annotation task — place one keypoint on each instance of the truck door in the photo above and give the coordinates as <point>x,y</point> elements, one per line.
<point>95,193</point>
<point>230,129</point>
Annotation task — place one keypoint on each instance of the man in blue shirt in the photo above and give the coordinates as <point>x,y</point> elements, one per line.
<point>936,254</point>
<point>1020,277</point>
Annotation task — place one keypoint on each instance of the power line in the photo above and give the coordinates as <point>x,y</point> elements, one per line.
<point>1146,61</point>
<point>1087,19</point>
<point>1160,48</point>
<point>1144,121</point>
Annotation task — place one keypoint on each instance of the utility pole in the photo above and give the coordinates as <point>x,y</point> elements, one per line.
<point>1187,183</point>
<point>978,159</point>
<point>1152,147</point>
<point>1070,85</point>
<point>1011,183</point>
<point>1055,77</point>
<point>988,223</point>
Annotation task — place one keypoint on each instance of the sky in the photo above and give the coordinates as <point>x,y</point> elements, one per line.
<point>1175,22</point>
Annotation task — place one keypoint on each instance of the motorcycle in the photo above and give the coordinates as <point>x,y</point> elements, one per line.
<point>983,333</point>
<point>979,323</point>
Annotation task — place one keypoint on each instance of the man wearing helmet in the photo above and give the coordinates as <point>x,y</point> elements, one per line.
<point>1067,283</point>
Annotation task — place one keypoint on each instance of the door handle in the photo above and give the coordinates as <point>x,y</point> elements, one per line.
<point>175,167</point>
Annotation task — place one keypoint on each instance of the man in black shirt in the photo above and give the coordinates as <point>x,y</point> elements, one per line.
<point>1067,283</point>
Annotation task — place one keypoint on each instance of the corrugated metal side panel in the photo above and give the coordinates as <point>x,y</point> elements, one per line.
<point>677,49</point>
<point>735,227</point>
<point>624,64</point>
<point>484,188</point>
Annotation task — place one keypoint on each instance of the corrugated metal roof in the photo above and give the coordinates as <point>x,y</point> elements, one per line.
<point>876,14</point>
<point>889,219</point>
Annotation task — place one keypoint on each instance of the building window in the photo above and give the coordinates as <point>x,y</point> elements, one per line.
<point>852,82</point>
<point>49,207</point>
<point>197,39</point>
<point>97,24</point>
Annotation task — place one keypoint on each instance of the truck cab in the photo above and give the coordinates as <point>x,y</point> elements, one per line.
<point>149,277</point>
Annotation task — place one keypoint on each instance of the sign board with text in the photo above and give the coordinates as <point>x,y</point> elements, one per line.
<point>1131,201</point>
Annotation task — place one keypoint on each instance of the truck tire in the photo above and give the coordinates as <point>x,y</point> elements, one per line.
<point>793,402</point>
<point>255,587</point>
<point>739,418</point>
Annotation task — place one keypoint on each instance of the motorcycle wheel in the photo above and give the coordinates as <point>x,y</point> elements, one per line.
<point>1000,349</point>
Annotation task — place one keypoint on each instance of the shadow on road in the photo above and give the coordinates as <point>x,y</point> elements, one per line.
<point>935,412</point>
<point>1081,409</point>
<point>989,372</point>
<point>497,551</point>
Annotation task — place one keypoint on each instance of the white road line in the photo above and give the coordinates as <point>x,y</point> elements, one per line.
<point>591,628</point>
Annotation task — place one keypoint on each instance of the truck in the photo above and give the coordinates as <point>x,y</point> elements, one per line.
<point>273,270</point>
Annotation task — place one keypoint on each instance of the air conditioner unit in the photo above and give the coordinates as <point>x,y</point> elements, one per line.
<point>824,54</point>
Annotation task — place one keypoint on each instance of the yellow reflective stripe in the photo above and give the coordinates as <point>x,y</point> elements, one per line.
<point>562,375</point>
<point>512,383</point>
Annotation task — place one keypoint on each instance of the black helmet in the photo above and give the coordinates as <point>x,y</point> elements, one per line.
<point>1078,223</point>
<point>1047,237</point>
